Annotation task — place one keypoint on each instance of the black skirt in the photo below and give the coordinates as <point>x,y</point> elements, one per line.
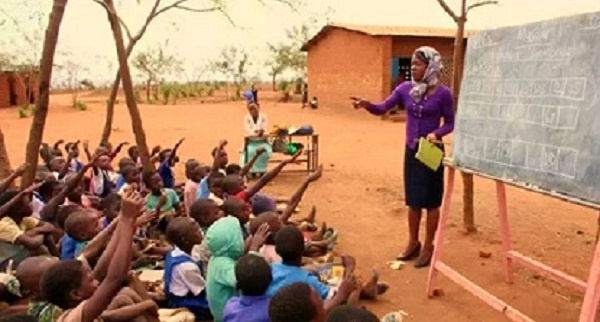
<point>423,187</point>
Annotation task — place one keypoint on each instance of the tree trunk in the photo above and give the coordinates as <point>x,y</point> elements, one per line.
<point>5,169</point>
<point>136,119</point>
<point>110,109</point>
<point>468,182</point>
<point>274,82</point>
<point>148,84</point>
<point>39,119</point>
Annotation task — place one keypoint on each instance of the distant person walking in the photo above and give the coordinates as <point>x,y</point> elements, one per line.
<point>304,94</point>
<point>254,91</point>
<point>426,102</point>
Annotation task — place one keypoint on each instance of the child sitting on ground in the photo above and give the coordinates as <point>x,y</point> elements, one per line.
<point>239,209</point>
<point>72,148</point>
<point>168,158</point>
<point>80,228</point>
<point>18,228</point>
<point>101,184</point>
<point>111,206</point>
<point>164,201</point>
<point>225,242</point>
<point>220,160</point>
<point>131,177</point>
<point>205,213</point>
<point>234,185</point>
<point>29,273</point>
<point>289,244</point>
<point>253,276</point>
<point>194,173</point>
<point>185,285</point>
<point>71,286</point>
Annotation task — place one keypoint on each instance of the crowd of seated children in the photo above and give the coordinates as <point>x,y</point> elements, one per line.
<point>219,262</point>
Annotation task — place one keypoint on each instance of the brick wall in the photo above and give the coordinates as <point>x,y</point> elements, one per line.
<point>19,88</point>
<point>345,63</point>
<point>4,93</point>
<point>405,46</point>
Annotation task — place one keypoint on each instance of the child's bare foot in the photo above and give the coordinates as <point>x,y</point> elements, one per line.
<point>373,288</point>
<point>323,228</point>
<point>312,215</point>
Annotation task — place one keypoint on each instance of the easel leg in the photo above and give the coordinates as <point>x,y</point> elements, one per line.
<point>439,235</point>
<point>592,294</point>
<point>504,231</point>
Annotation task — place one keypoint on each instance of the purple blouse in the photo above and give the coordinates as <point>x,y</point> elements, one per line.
<point>424,117</point>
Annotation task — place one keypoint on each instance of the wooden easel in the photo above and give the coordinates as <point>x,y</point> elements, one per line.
<point>591,288</point>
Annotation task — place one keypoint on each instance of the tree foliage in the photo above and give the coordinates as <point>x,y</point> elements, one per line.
<point>233,63</point>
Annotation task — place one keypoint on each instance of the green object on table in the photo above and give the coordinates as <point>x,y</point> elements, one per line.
<point>429,154</point>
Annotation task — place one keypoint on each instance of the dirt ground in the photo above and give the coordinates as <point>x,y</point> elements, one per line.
<point>361,194</point>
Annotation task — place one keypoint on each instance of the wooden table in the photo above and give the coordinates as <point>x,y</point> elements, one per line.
<point>310,154</point>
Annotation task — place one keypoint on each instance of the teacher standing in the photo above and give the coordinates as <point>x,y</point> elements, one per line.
<point>427,103</point>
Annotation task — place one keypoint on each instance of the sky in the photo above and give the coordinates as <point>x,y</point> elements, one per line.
<point>197,38</point>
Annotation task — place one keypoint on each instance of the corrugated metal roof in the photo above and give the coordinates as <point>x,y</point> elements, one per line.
<point>374,30</point>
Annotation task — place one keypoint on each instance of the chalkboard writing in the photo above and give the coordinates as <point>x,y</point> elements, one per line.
<point>529,109</point>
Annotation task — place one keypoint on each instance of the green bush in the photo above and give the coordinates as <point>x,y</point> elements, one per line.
<point>210,91</point>
<point>26,110</point>
<point>23,111</point>
<point>81,106</point>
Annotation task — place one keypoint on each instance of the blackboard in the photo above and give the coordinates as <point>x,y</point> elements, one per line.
<point>529,108</point>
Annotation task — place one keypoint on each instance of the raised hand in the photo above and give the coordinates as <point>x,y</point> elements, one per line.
<point>179,142</point>
<point>222,144</point>
<point>32,188</point>
<point>146,218</point>
<point>296,156</point>
<point>155,150</point>
<point>21,169</point>
<point>260,237</point>
<point>86,145</point>
<point>132,206</point>
<point>261,150</point>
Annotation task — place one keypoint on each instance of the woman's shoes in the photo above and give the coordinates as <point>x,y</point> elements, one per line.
<point>424,259</point>
<point>412,254</point>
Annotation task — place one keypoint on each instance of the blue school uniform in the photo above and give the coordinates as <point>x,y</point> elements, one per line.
<point>166,173</point>
<point>70,248</point>
<point>197,304</point>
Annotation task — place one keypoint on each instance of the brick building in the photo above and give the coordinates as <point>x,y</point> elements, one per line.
<point>368,61</point>
<point>15,86</point>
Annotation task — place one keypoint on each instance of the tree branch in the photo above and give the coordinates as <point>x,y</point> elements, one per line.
<point>124,26</point>
<point>481,4</point>
<point>448,10</point>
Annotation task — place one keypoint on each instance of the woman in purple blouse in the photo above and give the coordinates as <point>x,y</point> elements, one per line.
<point>426,102</point>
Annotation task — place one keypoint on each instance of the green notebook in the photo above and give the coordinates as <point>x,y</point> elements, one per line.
<point>429,154</point>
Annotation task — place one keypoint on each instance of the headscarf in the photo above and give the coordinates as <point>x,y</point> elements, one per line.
<point>249,96</point>
<point>434,65</point>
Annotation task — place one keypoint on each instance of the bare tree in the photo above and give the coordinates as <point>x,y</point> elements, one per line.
<point>134,112</point>
<point>233,63</point>
<point>5,168</point>
<point>39,119</point>
<point>458,59</point>
<point>154,64</point>
<point>159,8</point>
